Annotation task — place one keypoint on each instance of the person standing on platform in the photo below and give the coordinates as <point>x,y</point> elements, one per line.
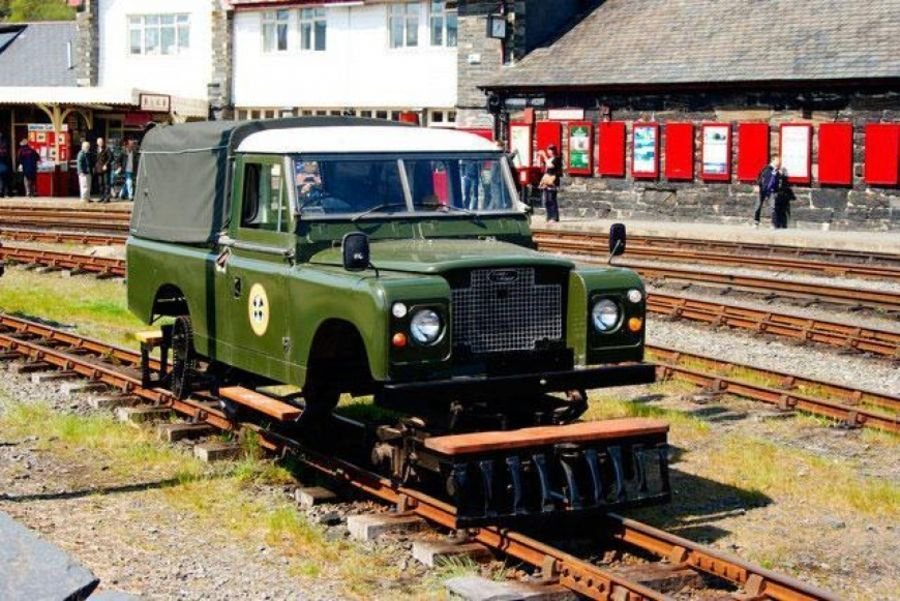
<point>103,169</point>
<point>769,180</point>
<point>28,160</point>
<point>83,164</point>
<point>781,207</point>
<point>549,185</point>
<point>129,163</point>
<point>6,188</point>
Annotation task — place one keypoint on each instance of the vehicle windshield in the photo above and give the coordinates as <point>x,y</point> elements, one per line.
<point>370,185</point>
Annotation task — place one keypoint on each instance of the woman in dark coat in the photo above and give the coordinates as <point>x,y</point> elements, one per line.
<point>781,209</point>
<point>28,160</point>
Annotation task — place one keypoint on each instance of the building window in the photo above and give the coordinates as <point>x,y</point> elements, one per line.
<point>403,24</point>
<point>275,30</point>
<point>441,118</point>
<point>312,28</point>
<point>159,34</point>
<point>443,24</point>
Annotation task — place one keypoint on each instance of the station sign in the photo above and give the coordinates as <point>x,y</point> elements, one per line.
<point>156,103</point>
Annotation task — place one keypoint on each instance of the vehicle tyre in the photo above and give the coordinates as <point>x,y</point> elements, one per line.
<point>319,400</point>
<point>184,358</point>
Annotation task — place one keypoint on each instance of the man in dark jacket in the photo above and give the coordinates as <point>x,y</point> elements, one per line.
<point>28,160</point>
<point>103,170</point>
<point>769,180</point>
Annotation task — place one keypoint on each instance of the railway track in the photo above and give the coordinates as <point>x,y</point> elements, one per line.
<point>61,237</point>
<point>786,391</point>
<point>76,263</point>
<point>831,333</point>
<point>734,254</point>
<point>89,219</point>
<point>118,368</point>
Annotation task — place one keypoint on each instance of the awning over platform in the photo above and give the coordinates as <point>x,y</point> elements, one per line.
<point>98,98</point>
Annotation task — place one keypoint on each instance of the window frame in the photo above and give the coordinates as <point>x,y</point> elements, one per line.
<point>445,15</point>
<point>286,206</point>
<point>319,15</point>
<point>180,31</point>
<point>411,11</point>
<point>272,19</point>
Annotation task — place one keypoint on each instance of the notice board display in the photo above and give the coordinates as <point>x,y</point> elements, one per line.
<point>679,151</point>
<point>836,154</point>
<point>611,156</point>
<point>753,150</point>
<point>882,154</point>
<point>795,141</point>
<point>716,154</point>
<point>547,133</point>
<point>520,144</point>
<point>645,150</point>
<point>580,160</point>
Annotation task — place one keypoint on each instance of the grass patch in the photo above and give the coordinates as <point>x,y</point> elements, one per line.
<point>126,451</point>
<point>758,465</point>
<point>97,307</point>
<point>684,426</point>
<point>364,409</point>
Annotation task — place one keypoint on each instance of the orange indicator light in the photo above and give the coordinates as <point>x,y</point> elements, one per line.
<point>399,340</point>
<point>635,324</point>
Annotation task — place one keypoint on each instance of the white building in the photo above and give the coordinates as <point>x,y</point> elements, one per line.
<point>373,58</point>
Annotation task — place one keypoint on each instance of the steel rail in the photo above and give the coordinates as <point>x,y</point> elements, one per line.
<point>103,266</point>
<point>870,340</point>
<point>783,398</point>
<point>61,237</point>
<point>65,212</point>
<point>577,574</point>
<point>600,240</point>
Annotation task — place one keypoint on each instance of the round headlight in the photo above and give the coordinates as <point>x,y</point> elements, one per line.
<point>425,326</point>
<point>605,315</point>
<point>635,295</point>
<point>398,310</point>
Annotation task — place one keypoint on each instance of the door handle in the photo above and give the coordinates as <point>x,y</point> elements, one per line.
<point>236,287</point>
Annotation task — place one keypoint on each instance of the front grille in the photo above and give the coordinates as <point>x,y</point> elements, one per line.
<point>497,310</point>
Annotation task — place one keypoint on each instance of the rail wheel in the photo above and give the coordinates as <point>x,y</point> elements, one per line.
<point>184,358</point>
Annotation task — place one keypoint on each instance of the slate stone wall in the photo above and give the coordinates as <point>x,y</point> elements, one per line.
<point>87,44</point>
<point>858,206</point>
<point>221,76</point>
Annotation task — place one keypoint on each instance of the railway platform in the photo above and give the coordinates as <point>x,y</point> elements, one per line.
<point>72,202</point>
<point>868,241</point>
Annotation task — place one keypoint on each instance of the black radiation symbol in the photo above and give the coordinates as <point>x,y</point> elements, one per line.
<point>259,309</point>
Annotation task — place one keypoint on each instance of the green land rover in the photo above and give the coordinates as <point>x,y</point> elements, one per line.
<point>371,258</point>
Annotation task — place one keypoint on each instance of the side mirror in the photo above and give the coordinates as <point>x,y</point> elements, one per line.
<point>617,238</point>
<point>355,249</point>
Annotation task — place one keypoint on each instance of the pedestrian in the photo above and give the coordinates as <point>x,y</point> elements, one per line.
<point>781,207</point>
<point>129,165</point>
<point>471,171</point>
<point>83,164</point>
<point>768,180</point>
<point>549,185</point>
<point>103,170</point>
<point>6,188</point>
<point>28,159</point>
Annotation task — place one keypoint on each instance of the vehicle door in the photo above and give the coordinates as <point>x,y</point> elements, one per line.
<point>256,261</point>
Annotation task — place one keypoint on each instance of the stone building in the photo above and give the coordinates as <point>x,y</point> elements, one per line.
<point>732,63</point>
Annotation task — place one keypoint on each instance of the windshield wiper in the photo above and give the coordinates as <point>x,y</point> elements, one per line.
<point>448,207</point>
<point>377,208</point>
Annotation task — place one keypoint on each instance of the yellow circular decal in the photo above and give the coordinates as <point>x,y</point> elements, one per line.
<point>258,309</point>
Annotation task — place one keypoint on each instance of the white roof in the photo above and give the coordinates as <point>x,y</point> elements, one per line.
<point>363,138</point>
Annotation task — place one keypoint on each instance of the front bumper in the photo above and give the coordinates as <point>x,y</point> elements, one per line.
<point>395,394</point>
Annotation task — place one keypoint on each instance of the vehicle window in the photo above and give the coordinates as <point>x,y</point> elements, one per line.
<point>265,202</point>
<point>335,186</point>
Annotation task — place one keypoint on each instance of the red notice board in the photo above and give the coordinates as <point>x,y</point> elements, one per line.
<point>753,150</point>
<point>882,154</point>
<point>547,133</point>
<point>611,157</point>
<point>715,152</point>
<point>645,150</point>
<point>581,148</point>
<point>836,154</point>
<point>679,151</point>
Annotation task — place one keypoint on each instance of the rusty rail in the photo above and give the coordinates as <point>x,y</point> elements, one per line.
<point>771,256</point>
<point>101,266</point>
<point>18,336</point>
<point>870,340</point>
<point>61,237</point>
<point>707,372</point>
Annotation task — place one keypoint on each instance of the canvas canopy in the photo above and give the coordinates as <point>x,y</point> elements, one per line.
<point>184,175</point>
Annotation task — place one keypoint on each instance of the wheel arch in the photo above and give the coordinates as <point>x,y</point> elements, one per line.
<point>338,349</point>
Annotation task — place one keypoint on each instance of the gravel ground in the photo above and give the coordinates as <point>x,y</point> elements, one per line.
<point>733,345</point>
<point>840,315</point>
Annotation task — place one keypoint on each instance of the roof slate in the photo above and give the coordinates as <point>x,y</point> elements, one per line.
<point>660,42</point>
<point>38,56</point>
